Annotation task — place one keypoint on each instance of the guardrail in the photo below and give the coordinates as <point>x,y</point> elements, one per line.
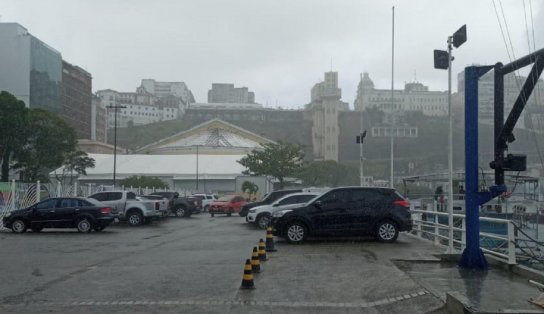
<point>427,225</point>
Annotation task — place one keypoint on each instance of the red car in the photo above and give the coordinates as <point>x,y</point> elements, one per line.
<point>227,204</point>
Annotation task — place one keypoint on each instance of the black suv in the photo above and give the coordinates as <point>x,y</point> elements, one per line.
<point>347,211</point>
<point>267,200</point>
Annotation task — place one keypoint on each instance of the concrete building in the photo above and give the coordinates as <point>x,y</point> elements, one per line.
<point>203,158</point>
<point>512,85</point>
<point>173,93</point>
<point>30,69</point>
<point>414,97</point>
<point>227,93</point>
<point>98,120</point>
<point>164,89</point>
<point>141,108</point>
<point>323,112</point>
<point>77,99</point>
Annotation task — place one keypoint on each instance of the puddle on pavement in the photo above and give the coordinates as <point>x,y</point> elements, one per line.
<point>489,290</point>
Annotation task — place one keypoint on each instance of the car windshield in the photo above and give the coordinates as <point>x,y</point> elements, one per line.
<point>177,119</point>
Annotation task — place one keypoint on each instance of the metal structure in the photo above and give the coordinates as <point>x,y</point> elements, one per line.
<point>443,60</point>
<point>115,138</point>
<point>472,256</point>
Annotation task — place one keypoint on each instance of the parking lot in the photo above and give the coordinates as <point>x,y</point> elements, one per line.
<point>196,265</point>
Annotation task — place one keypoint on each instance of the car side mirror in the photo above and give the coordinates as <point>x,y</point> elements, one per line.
<point>318,204</point>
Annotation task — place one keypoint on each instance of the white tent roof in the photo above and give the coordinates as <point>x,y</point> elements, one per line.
<point>178,166</point>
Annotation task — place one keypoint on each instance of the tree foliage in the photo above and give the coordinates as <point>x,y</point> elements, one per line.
<point>143,181</point>
<point>250,188</point>
<point>75,161</point>
<point>48,140</point>
<point>276,160</point>
<point>13,120</point>
<point>328,173</point>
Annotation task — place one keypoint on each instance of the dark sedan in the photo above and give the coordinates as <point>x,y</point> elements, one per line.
<point>85,214</point>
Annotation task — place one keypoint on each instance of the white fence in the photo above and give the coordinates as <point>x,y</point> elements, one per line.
<point>16,195</point>
<point>433,225</point>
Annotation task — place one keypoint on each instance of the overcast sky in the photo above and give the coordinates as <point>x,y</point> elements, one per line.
<point>277,48</point>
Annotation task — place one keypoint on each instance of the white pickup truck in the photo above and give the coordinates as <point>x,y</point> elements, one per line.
<point>128,207</point>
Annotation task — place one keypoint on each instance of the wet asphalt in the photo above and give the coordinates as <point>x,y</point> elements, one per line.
<point>195,265</point>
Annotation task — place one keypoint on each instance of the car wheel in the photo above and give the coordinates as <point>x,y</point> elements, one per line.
<point>84,225</point>
<point>37,229</point>
<point>263,220</point>
<point>135,219</point>
<point>206,208</point>
<point>180,211</point>
<point>212,214</point>
<point>296,232</point>
<point>99,228</point>
<point>19,226</point>
<point>387,231</point>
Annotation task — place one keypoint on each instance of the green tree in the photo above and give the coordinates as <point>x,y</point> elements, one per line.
<point>78,162</point>
<point>49,140</point>
<point>143,181</point>
<point>276,160</point>
<point>328,173</point>
<point>250,188</point>
<point>13,120</point>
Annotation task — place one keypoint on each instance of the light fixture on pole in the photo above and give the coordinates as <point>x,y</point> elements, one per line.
<point>442,60</point>
<point>115,138</point>
<point>360,139</point>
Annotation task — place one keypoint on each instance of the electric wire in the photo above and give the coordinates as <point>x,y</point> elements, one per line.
<point>502,31</point>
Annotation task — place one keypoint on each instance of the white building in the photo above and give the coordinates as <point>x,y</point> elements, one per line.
<point>414,97</point>
<point>323,110</point>
<point>140,108</point>
<point>203,158</point>
<point>236,106</point>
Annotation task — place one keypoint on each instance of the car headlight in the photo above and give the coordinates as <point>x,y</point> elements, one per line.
<point>252,211</point>
<point>281,213</point>
<point>8,214</point>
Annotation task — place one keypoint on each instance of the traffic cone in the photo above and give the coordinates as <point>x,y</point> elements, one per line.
<point>247,279</point>
<point>270,240</point>
<point>255,263</point>
<point>262,251</point>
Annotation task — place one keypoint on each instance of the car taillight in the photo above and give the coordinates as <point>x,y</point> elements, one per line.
<point>157,205</point>
<point>403,203</point>
<point>105,210</point>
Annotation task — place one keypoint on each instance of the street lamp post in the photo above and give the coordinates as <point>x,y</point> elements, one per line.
<point>442,60</point>
<point>115,138</point>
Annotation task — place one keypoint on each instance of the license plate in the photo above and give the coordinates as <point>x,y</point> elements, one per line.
<point>116,219</point>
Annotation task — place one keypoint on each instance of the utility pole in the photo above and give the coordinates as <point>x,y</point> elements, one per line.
<point>442,60</point>
<point>360,139</point>
<point>115,138</point>
<point>391,178</point>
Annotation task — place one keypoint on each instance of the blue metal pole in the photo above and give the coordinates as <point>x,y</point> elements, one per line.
<point>473,256</point>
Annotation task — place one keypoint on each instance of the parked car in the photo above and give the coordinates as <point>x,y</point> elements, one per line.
<point>134,211</point>
<point>163,208</point>
<point>227,204</point>
<point>207,200</point>
<point>179,206</point>
<point>197,203</point>
<point>347,211</point>
<point>262,215</point>
<point>85,214</point>
<point>267,200</point>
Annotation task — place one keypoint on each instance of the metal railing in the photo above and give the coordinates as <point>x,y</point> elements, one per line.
<point>428,225</point>
<point>15,195</point>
